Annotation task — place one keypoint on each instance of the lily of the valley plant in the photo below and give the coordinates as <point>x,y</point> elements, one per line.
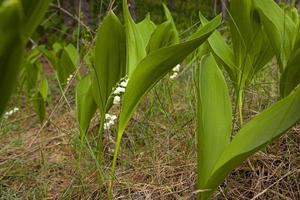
<point>218,154</point>
<point>129,60</point>
<point>18,20</point>
<point>259,30</point>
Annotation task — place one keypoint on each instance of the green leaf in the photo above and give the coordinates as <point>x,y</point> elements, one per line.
<point>85,104</point>
<point>39,106</point>
<point>214,117</point>
<point>252,48</point>
<point>170,18</point>
<point>40,98</point>
<point>163,36</point>
<point>136,48</point>
<point>150,71</point>
<point>290,78</point>
<point>15,27</point>
<point>256,134</point>
<point>110,60</point>
<point>222,51</point>
<point>29,76</point>
<point>66,63</point>
<point>57,47</point>
<point>11,48</point>
<point>242,29</point>
<point>155,66</point>
<point>146,28</point>
<point>71,51</point>
<point>279,27</point>
<point>43,88</point>
<point>34,11</point>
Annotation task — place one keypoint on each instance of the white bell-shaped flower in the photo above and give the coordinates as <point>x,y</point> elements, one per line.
<point>176,68</point>
<point>174,75</point>
<point>117,100</point>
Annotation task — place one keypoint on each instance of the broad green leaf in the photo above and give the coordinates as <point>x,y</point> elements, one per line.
<point>163,36</point>
<point>110,60</point>
<point>252,48</point>
<point>155,66</point>
<point>32,75</point>
<point>53,55</point>
<point>85,104</point>
<point>40,98</point>
<point>290,78</point>
<point>71,51</point>
<point>279,27</point>
<point>264,54</point>
<point>39,106</point>
<point>11,48</point>
<point>30,71</point>
<point>43,88</point>
<point>256,134</point>
<point>292,12</point>
<point>63,59</point>
<point>66,63</point>
<point>222,51</point>
<point>146,28</point>
<point>57,47</point>
<point>150,71</point>
<point>18,20</point>
<point>214,117</point>
<point>241,29</point>
<point>34,11</point>
<point>170,18</point>
<point>135,46</point>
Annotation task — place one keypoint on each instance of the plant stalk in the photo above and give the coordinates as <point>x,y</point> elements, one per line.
<point>114,164</point>
<point>100,140</point>
<point>240,106</point>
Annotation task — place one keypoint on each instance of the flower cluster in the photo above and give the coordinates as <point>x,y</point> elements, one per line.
<point>175,70</point>
<point>109,121</point>
<point>120,89</point>
<point>11,112</point>
<point>69,79</point>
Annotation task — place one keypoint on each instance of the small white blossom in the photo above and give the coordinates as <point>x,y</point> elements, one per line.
<point>113,117</point>
<point>124,83</point>
<point>119,90</point>
<point>117,100</point>
<point>176,68</point>
<point>107,116</point>
<point>109,121</point>
<point>106,126</point>
<point>69,78</point>
<point>174,75</point>
<point>11,112</point>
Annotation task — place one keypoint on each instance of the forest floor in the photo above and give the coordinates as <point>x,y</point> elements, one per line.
<point>157,158</point>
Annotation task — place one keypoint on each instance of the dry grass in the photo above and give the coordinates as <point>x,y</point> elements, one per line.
<point>157,159</point>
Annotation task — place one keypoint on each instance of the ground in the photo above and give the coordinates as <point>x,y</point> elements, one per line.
<point>157,159</point>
